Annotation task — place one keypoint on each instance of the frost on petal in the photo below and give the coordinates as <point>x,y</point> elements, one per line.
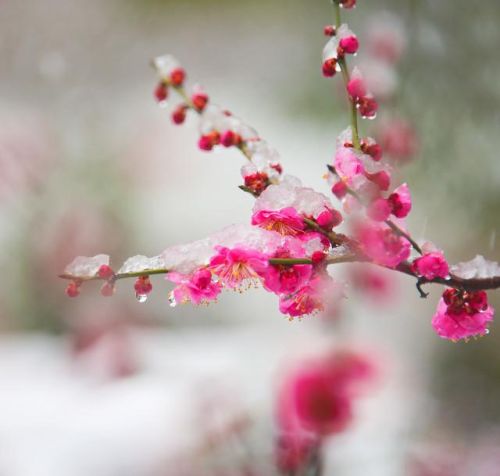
<point>305,200</point>
<point>85,266</point>
<point>247,236</point>
<point>479,267</point>
<point>330,49</point>
<point>345,137</point>
<point>138,263</point>
<point>262,153</point>
<point>188,257</point>
<point>212,118</point>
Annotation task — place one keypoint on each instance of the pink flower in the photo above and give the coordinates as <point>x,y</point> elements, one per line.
<point>400,201</point>
<point>348,43</point>
<point>235,266</point>
<point>314,401</point>
<point>379,209</point>
<point>383,246</point>
<point>461,315</point>
<point>307,300</point>
<point>431,265</point>
<point>367,107</point>
<point>286,221</point>
<point>329,218</point>
<point>382,179</point>
<point>321,406</point>
<point>347,3</point>
<point>339,189</point>
<point>197,287</point>
<point>348,165</point>
<point>356,87</point>
<point>370,147</point>
<point>285,279</point>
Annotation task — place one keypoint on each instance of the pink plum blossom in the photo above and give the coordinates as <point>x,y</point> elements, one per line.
<point>461,315</point>
<point>239,265</point>
<point>348,165</point>
<point>286,221</point>
<point>383,246</point>
<point>197,287</point>
<point>379,209</point>
<point>431,265</point>
<point>286,279</point>
<point>307,300</point>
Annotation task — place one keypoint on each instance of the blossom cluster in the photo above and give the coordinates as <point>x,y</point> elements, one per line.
<point>292,234</point>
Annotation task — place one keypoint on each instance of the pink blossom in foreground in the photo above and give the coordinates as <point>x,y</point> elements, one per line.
<point>431,265</point>
<point>236,266</point>
<point>461,315</point>
<point>317,397</point>
<point>197,288</point>
<point>307,300</point>
<point>286,221</point>
<point>316,400</point>
<point>285,279</point>
<point>383,246</point>
<point>321,404</point>
<point>400,201</point>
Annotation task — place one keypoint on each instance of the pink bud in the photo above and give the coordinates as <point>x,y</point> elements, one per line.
<point>329,67</point>
<point>431,265</point>
<point>329,30</point>
<point>73,289</point>
<point>349,45</point>
<point>373,150</point>
<point>347,3</point>
<point>400,201</point>
<point>339,189</point>
<point>143,285</point>
<point>105,272</point>
<point>356,88</point>
<point>230,138</point>
<point>382,179</point>
<point>367,107</point>
<point>177,76</point>
<point>318,257</point>
<point>328,219</point>
<point>179,114</point>
<point>199,101</point>
<point>161,92</point>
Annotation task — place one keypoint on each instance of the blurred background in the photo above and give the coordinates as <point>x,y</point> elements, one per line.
<point>90,164</point>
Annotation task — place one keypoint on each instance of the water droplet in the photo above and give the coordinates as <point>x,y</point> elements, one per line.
<point>171,300</point>
<point>141,297</point>
<point>486,331</point>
